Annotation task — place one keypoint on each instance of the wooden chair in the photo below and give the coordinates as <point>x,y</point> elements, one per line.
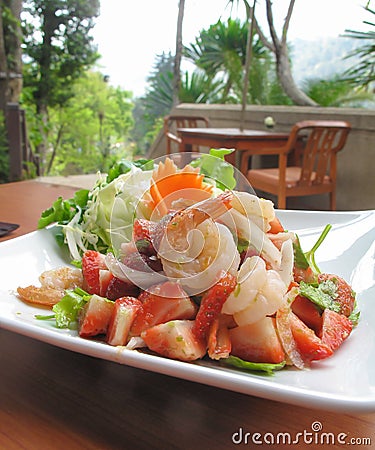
<point>313,144</point>
<point>173,122</point>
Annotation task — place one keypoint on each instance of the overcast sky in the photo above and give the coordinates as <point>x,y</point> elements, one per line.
<point>130,34</point>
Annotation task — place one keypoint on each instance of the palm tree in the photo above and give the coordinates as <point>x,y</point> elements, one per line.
<point>220,51</point>
<point>336,92</point>
<point>363,73</point>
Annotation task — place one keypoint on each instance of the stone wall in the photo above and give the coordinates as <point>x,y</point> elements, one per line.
<point>356,162</point>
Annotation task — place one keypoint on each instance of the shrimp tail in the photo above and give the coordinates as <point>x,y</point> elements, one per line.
<point>214,207</point>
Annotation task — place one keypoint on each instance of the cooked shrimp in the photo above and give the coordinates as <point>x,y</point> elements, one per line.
<point>53,284</point>
<point>194,248</point>
<point>246,229</point>
<point>259,210</point>
<point>259,293</point>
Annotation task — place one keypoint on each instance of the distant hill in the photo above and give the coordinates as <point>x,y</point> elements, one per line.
<point>321,59</point>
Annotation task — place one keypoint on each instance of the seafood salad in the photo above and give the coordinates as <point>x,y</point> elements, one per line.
<point>177,264</point>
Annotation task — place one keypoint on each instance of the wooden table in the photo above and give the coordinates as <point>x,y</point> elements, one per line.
<point>246,142</point>
<point>52,398</point>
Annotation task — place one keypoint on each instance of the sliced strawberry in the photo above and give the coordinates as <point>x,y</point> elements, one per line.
<point>346,295</point>
<point>308,343</point>
<point>142,262</point>
<point>123,315</point>
<point>162,303</point>
<point>95,316</point>
<point>257,342</point>
<point>212,302</point>
<point>143,229</point>
<point>306,275</point>
<point>308,312</point>
<point>119,288</point>
<point>174,339</point>
<point>336,328</point>
<point>142,236</point>
<point>105,278</point>
<point>92,263</point>
<point>219,343</point>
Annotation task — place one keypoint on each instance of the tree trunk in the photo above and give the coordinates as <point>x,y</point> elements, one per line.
<point>178,55</point>
<point>3,66</point>
<point>15,78</point>
<point>284,73</point>
<point>280,48</point>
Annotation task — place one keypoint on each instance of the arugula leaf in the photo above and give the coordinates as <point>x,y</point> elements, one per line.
<point>310,255</point>
<point>123,166</point>
<point>300,259</point>
<point>63,211</point>
<point>68,308</point>
<point>323,295</point>
<point>60,211</point>
<point>268,368</point>
<point>242,244</point>
<point>304,260</point>
<point>214,166</point>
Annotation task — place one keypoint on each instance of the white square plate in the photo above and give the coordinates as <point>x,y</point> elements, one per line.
<point>345,382</point>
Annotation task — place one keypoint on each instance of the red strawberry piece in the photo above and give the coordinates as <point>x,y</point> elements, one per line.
<point>310,346</point>
<point>257,342</point>
<point>142,236</point>
<point>346,296</point>
<point>336,328</point>
<point>162,303</point>
<point>219,343</point>
<point>174,339</point>
<point>143,229</point>
<point>308,312</point>
<point>119,288</point>
<point>122,318</point>
<point>211,304</point>
<point>142,263</point>
<point>95,316</point>
<point>92,263</point>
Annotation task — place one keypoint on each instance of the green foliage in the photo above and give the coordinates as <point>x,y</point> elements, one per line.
<point>220,52</point>
<point>197,87</point>
<point>363,72</point>
<point>57,46</point>
<point>4,154</point>
<point>90,131</point>
<point>336,92</point>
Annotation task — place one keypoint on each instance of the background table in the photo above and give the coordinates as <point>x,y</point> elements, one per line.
<point>52,398</point>
<point>245,142</point>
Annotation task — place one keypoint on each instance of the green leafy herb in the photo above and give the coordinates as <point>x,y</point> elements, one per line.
<point>242,245</point>
<point>68,308</point>
<point>323,295</point>
<point>354,317</point>
<point>214,166</point>
<point>123,166</point>
<point>310,255</point>
<point>300,259</point>
<point>305,260</point>
<point>267,368</point>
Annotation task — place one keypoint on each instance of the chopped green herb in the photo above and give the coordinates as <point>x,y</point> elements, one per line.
<point>242,245</point>
<point>323,295</point>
